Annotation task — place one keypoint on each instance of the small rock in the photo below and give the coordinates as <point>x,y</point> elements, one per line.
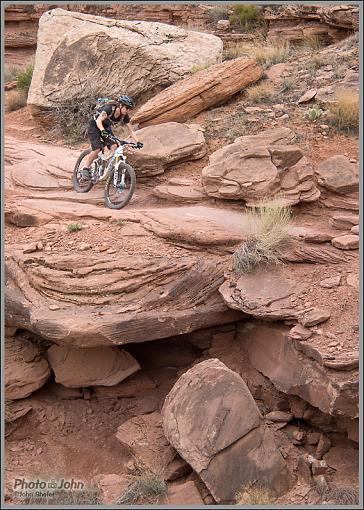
<point>352,160</point>
<point>330,335</point>
<point>314,316</point>
<point>279,416</point>
<point>319,467</point>
<point>40,246</point>
<point>39,451</point>
<point>278,107</point>
<point>299,332</point>
<point>102,248</point>
<point>355,230</point>
<point>84,246</point>
<point>111,250</point>
<point>30,248</point>
<point>329,283</point>
<point>284,117</point>
<point>298,436</point>
<point>307,96</point>
<point>54,307</point>
<point>346,242</point>
<point>323,446</point>
<point>313,438</point>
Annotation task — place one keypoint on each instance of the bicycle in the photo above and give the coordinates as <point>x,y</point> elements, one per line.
<point>119,176</point>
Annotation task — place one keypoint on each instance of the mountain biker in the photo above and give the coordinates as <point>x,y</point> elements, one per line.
<point>99,129</point>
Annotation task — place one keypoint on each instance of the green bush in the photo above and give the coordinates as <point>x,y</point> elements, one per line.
<point>246,16</point>
<point>74,227</point>
<point>24,78</point>
<point>314,113</point>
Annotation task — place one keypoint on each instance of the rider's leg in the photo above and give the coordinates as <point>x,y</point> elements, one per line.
<point>112,149</point>
<point>96,146</point>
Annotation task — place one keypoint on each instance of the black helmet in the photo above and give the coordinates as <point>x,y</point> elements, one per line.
<point>126,100</point>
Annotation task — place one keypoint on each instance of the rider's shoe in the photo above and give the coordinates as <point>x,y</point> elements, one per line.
<point>85,174</point>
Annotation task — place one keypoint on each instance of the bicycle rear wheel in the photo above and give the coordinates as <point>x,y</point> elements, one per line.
<point>78,185</point>
<point>118,194</point>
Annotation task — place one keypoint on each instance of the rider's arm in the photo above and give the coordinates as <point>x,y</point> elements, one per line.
<point>103,116</point>
<point>132,133</point>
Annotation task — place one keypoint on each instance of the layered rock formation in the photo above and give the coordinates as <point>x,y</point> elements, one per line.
<point>154,55</point>
<point>211,419</point>
<point>26,370</point>
<point>192,95</point>
<point>297,23</point>
<point>260,166</point>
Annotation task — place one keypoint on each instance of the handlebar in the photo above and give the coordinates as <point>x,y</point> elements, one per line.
<point>123,142</point>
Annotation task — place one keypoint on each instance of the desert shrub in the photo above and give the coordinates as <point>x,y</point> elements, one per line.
<point>344,114</point>
<point>246,16</point>
<point>314,113</point>
<point>10,73</point>
<point>255,494</point>
<point>313,42</point>
<point>338,495</point>
<point>70,120</point>
<point>272,54</point>
<point>217,13</point>
<point>74,227</point>
<point>237,50</point>
<point>261,93</point>
<point>196,68</point>
<point>269,222</point>
<point>15,99</point>
<point>24,78</point>
<point>147,488</point>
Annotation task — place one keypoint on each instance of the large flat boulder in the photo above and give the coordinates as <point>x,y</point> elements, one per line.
<point>26,370</point>
<point>145,57</point>
<point>329,94</point>
<point>166,145</point>
<point>119,298</point>
<point>257,167</point>
<point>212,420</point>
<point>265,294</point>
<point>99,366</point>
<point>338,175</point>
<point>207,88</point>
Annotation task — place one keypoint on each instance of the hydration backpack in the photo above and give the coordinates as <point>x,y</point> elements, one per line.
<point>100,104</point>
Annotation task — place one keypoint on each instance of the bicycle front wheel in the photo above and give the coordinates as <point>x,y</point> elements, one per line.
<point>118,193</point>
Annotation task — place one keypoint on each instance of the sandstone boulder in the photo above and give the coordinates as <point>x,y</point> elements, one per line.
<point>338,175</point>
<point>265,294</point>
<point>112,486</point>
<point>72,44</point>
<point>260,166</point>
<point>207,88</point>
<point>98,366</point>
<point>296,369</point>
<point>165,145</point>
<point>25,369</point>
<point>346,242</point>
<point>211,419</point>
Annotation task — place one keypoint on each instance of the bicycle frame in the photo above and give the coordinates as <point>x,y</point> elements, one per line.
<point>117,158</point>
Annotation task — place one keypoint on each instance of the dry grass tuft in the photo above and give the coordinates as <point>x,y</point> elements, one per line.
<point>272,54</point>
<point>146,489</point>
<point>254,494</point>
<point>338,495</point>
<point>15,99</point>
<point>344,114</point>
<point>269,232</point>
<point>261,93</point>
